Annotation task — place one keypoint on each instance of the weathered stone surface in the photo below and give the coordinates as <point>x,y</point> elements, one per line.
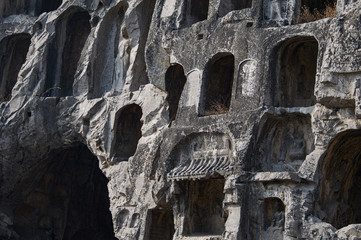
<point>189,119</point>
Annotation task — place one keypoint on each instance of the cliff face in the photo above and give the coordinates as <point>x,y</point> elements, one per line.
<point>191,119</point>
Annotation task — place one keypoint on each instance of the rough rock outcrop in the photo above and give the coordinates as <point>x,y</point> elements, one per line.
<point>180,119</point>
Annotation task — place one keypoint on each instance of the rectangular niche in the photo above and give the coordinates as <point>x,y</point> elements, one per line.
<point>203,201</point>
<point>160,224</point>
<point>226,6</point>
<point>195,11</point>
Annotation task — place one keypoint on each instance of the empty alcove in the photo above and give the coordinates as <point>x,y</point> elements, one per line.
<point>160,224</point>
<point>274,217</point>
<point>113,51</point>
<point>312,10</point>
<point>340,188</point>
<point>174,84</point>
<point>203,207</point>
<point>217,84</point>
<point>127,131</point>
<point>13,50</point>
<point>293,68</point>
<point>65,196</point>
<point>227,6</point>
<point>30,7</point>
<point>195,11</point>
<point>64,52</point>
<point>283,142</point>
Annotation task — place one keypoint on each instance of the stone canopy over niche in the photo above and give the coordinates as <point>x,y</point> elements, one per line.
<point>340,191</point>
<point>64,196</point>
<point>293,66</point>
<point>217,84</point>
<point>200,155</point>
<point>283,142</point>
<point>13,50</point>
<point>31,7</point>
<point>64,52</point>
<point>128,131</point>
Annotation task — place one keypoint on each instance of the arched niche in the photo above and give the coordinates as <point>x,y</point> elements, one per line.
<point>227,6</point>
<point>13,50</point>
<point>340,186</point>
<point>217,85</point>
<point>174,84</point>
<point>293,66</point>
<point>65,196</point>
<point>195,11</point>
<point>283,142</point>
<point>127,130</point>
<point>31,7</point>
<point>64,51</point>
<point>113,54</point>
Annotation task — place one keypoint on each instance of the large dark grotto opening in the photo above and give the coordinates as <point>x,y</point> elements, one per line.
<point>64,197</point>
<point>340,188</point>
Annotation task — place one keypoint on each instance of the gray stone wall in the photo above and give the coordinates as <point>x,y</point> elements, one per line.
<point>187,119</point>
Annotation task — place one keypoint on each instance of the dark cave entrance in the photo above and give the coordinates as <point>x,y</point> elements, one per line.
<point>160,224</point>
<point>227,6</point>
<point>196,11</point>
<point>127,131</point>
<point>64,197</point>
<point>293,72</point>
<point>13,50</point>
<point>203,207</point>
<point>340,191</point>
<point>217,85</point>
<point>64,53</point>
<point>174,84</point>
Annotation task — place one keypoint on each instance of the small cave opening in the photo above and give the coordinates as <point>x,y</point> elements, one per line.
<point>64,52</point>
<point>203,199</point>
<point>113,54</point>
<point>340,188</point>
<point>313,10</point>
<point>128,131</point>
<point>274,217</point>
<point>160,224</point>
<point>195,11</point>
<point>217,85</point>
<point>293,68</point>
<point>65,196</point>
<point>227,6</point>
<point>174,84</point>
<point>30,7</point>
<point>13,51</point>
<point>283,142</point>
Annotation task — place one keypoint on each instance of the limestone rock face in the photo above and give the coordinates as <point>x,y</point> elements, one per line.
<point>180,119</point>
